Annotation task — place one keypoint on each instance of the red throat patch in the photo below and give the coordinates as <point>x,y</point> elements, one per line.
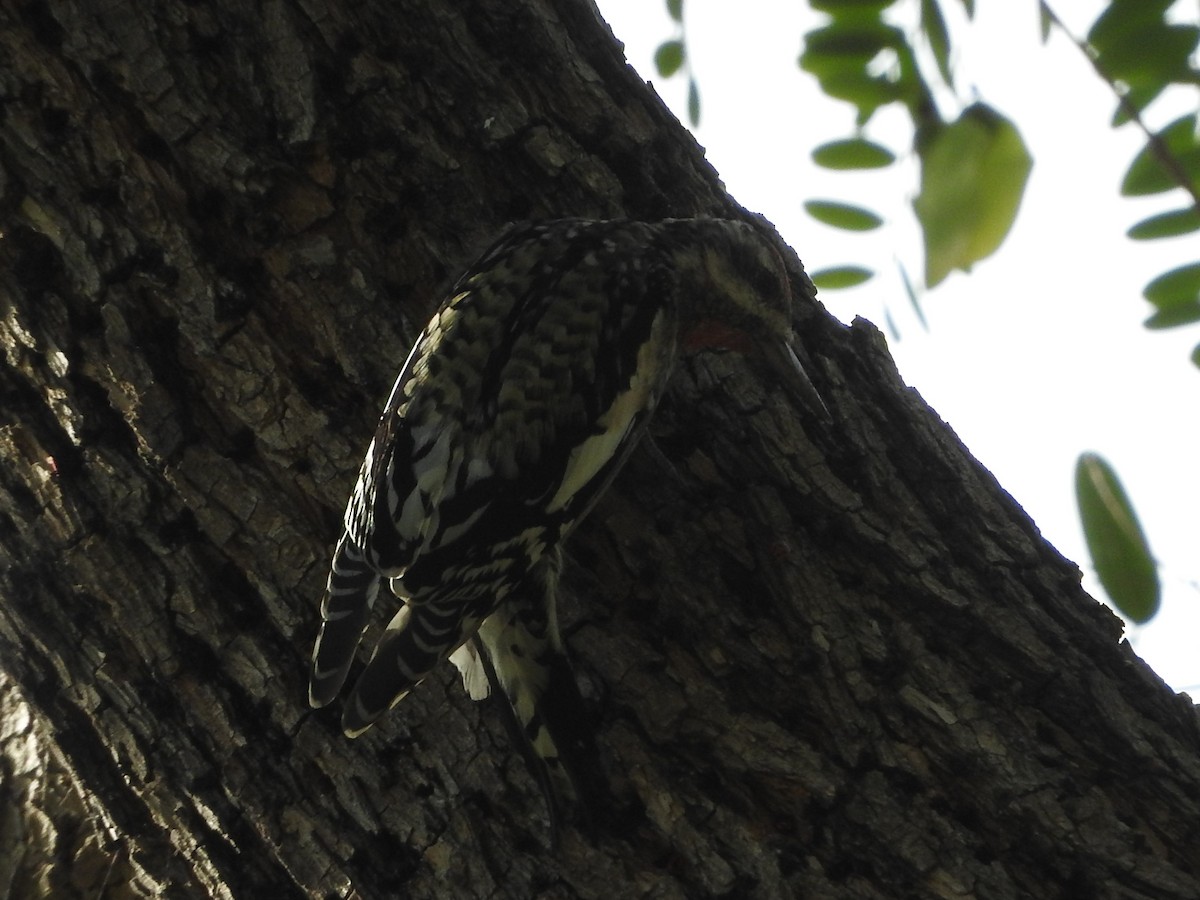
<point>713,333</point>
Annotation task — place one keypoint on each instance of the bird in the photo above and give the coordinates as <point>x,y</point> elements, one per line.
<point>520,401</point>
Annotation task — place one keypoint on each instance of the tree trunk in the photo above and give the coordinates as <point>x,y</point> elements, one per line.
<point>823,660</point>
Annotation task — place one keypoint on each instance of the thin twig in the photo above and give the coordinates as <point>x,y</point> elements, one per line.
<point>1162,153</point>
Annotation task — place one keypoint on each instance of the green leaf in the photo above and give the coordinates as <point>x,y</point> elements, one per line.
<point>890,323</point>
<point>1136,99</point>
<point>675,9</point>
<point>1180,136</point>
<point>1154,54</point>
<point>1178,287</point>
<point>1174,317</point>
<point>867,93</point>
<point>857,43</point>
<point>1045,20</point>
<point>969,6</point>
<point>843,215</point>
<point>1196,356</point>
<point>848,7</point>
<point>934,26</point>
<point>1176,298</point>
<point>973,176</point>
<point>668,58</point>
<point>1122,19</point>
<point>1168,224</point>
<point>839,277</point>
<point>1146,175</point>
<point>853,153</point>
<point>1118,547</point>
<point>1134,44</point>
<point>840,54</point>
<point>693,103</point>
<point>912,295</point>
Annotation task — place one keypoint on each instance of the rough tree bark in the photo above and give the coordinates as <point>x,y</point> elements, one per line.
<point>823,660</point>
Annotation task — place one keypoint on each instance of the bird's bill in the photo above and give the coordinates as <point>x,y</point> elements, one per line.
<point>793,379</point>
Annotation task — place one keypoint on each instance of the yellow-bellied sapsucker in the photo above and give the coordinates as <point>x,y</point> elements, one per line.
<point>523,396</point>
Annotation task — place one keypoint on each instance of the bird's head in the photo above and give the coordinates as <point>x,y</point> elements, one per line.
<point>734,293</point>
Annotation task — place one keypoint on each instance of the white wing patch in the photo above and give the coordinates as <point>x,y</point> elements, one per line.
<point>466,660</point>
<point>586,460</point>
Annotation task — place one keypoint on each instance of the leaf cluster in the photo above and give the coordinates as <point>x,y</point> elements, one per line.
<point>974,164</point>
<point>671,57</point>
<point>1140,53</point>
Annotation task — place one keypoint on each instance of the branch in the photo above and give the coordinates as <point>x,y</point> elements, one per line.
<point>1157,145</point>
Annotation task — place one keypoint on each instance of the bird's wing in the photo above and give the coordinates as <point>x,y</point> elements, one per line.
<point>349,595</point>
<point>356,574</point>
<point>520,401</point>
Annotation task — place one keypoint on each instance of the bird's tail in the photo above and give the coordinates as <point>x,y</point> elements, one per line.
<point>419,637</point>
<point>351,592</point>
<point>519,649</point>
<point>515,651</point>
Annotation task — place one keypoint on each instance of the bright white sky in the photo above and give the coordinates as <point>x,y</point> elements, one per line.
<point>1040,353</point>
